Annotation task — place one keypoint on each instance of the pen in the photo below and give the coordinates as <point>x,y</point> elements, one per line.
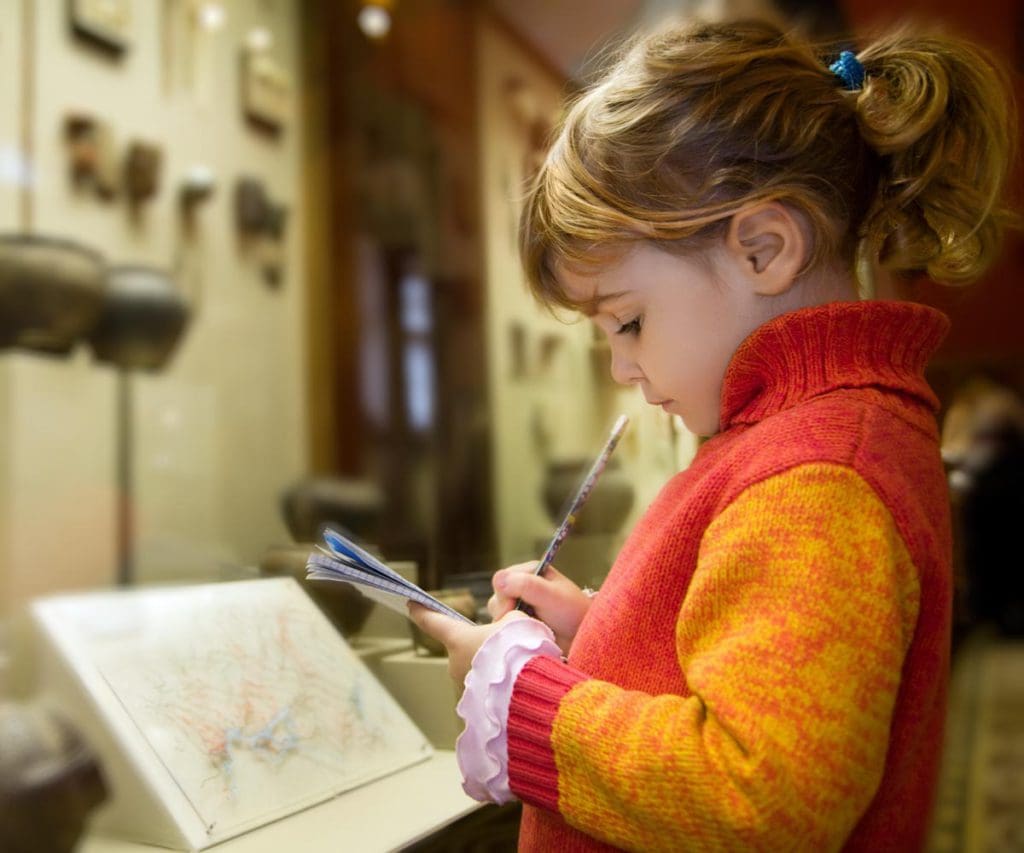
<point>577,502</point>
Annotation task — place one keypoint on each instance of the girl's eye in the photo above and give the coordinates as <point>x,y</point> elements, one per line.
<point>631,328</point>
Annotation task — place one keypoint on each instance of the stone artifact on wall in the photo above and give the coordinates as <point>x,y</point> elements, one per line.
<point>261,223</point>
<point>195,189</point>
<point>142,164</point>
<point>105,23</point>
<point>266,90</point>
<point>92,155</point>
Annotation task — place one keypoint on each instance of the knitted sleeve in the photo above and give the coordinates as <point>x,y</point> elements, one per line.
<point>791,639</point>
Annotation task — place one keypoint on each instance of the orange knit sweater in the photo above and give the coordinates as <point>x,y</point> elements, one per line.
<point>765,666</point>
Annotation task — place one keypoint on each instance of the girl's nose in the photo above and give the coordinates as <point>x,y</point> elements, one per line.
<point>624,370</point>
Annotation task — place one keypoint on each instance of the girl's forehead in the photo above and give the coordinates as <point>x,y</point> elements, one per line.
<point>582,286</point>
<point>593,272</point>
<point>590,288</point>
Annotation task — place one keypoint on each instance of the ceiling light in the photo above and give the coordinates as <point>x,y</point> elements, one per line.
<point>211,16</point>
<point>375,20</point>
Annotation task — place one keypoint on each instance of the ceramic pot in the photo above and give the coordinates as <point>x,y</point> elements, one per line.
<point>610,500</point>
<point>51,292</point>
<point>142,319</point>
<point>353,505</point>
<point>50,781</point>
<point>346,607</point>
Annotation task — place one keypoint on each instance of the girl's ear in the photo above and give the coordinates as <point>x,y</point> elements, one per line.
<point>769,243</point>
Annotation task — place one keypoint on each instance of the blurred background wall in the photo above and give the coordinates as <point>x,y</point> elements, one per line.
<point>221,429</point>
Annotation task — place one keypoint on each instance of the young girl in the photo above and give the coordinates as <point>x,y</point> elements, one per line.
<point>765,666</point>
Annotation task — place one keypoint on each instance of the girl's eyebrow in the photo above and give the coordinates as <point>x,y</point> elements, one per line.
<point>591,306</point>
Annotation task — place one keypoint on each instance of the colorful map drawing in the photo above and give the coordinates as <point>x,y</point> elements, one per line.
<point>249,698</point>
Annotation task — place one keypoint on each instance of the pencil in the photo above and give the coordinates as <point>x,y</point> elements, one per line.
<point>577,502</point>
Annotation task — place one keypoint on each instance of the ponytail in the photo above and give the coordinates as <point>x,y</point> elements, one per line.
<point>939,112</point>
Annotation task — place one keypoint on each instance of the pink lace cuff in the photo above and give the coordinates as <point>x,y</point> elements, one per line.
<point>482,749</point>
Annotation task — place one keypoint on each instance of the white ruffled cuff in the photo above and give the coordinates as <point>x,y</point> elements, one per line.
<point>482,749</point>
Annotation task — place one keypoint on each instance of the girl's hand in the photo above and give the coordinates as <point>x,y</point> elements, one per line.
<point>556,600</point>
<point>461,640</point>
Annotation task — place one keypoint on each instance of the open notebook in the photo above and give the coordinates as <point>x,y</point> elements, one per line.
<point>340,559</point>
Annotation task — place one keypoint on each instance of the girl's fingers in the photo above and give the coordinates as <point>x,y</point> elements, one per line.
<point>442,628</point>
<point>500,603</point>
<point>498,606</point>
<point>525,568</point>
<point>520,582</point>
<point>537,591</point>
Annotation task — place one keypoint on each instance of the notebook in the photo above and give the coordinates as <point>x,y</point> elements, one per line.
<point>340,559</point>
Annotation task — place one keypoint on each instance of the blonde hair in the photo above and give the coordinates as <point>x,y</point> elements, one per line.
<point>691,124</point>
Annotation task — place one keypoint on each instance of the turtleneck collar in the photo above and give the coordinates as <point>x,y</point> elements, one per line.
<point>812,351</point>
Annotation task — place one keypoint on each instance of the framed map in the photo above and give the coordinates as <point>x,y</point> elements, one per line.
<point>218,707</point>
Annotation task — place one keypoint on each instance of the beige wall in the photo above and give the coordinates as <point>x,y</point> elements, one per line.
<point>221,431</point>
<point>573,404</point>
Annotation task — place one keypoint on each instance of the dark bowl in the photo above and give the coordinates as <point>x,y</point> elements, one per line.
<point>50,781</point>
<point>343,604</point>
<point>51,292</point>
<point>142,320</point>
<point>353,505</point>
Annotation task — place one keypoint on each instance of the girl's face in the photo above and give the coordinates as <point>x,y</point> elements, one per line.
<point>673,324</point>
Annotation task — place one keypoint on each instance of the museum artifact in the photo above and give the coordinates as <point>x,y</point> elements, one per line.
<point>51,292</point>
<point>50,780</point>
<point>142,319</point>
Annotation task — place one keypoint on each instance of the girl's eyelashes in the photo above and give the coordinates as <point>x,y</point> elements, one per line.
<point>632,327</point>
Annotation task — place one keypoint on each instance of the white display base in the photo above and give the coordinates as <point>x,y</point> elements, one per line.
<point>216,708</point>
<point>382,816</point>
<point>426,691</point>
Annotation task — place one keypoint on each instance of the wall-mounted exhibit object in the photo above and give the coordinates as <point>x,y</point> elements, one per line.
<point>142,163</point>
<point>142,320</point>
<point>271,247</point>
<point>92,154</point>
<point>105,23</point>
<point>251,207</point>
<point>51,292</point>
<point>195,189</point>
<point>518,344</point>
<point>261,222</point>
<point>276,220</point>
<point>522,104</point>
<point>525,363</point>
<point>266,90</point>
<point>551,343</point>
<point>521,101</point>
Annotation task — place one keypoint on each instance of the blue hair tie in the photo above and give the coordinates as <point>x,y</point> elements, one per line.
<point>848,69</point>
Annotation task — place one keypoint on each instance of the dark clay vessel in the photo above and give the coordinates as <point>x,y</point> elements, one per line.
<point>51,292</point>
<point>143,317</point>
